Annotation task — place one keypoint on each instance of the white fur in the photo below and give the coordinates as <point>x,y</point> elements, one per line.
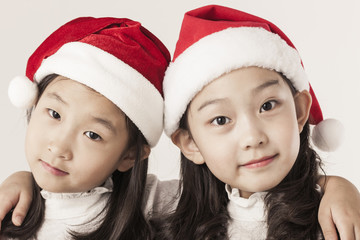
<point>220,53</point>
<point>22,92</point>
<point>328,135</point>
<point>114,79</point>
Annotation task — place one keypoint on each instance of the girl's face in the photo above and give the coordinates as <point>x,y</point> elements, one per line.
<point>245,126</point>
<point>76,138</point>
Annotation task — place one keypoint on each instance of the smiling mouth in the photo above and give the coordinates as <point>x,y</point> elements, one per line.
<point>53,170</point>
<point>262,162</point>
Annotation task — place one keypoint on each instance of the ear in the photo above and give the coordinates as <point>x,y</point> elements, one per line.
<point>128,160</point>
<point>302,104</point>
<point>183,140</point>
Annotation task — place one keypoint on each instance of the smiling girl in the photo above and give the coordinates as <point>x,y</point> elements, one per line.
<point>245,127</point>
<point>238,105</point>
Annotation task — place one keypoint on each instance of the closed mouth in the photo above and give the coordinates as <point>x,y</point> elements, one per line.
<point>53,170</point>
<point>261,162</point>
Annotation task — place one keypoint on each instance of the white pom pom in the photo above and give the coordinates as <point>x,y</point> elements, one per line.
<point>22,92</point>
<point>328,135</point>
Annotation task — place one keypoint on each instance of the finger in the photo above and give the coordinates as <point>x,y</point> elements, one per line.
<point>21,209</point>
<point>5,208</point>
<point>330,234</point>
<point>328,227</point>
<point>346,231</point>
<point>357,233</point>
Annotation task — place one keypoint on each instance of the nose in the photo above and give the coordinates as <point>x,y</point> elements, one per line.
<point>252,133</point>
<point>60,145</point>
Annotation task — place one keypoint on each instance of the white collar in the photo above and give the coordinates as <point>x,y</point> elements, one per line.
<point>70,205</point>
<point>247,209</point>
<point>234,195</point>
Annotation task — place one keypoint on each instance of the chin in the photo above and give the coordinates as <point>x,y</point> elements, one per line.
<point>55,188</point>
<point>265,188</point>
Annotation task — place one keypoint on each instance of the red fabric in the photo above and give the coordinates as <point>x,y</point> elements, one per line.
<point>124,38</point>
<point>315,110</point>
<point>206,20</point>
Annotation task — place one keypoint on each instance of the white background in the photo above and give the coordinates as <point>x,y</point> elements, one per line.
<point>326,33</point>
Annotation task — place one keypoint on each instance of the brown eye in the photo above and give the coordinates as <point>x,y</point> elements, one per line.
<point>92,135</point>
<point>220,120</point>
<point>267,106</point>
<point>54,114</point>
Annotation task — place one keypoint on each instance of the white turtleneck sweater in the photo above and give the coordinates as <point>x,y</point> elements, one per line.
<point>83,212</point>
<point>73,211</point>
<point>247,215</point>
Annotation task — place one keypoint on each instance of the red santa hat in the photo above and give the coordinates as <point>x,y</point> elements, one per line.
<point>215,40</point>
<point>116,57</point>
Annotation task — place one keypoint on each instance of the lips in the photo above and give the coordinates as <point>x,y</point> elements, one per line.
<point>261,162</point>
<point>53,170</point>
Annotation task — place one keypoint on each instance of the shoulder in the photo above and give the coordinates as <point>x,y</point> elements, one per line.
<point>160,195</point>
<point>157,189</point>
<point>152,182</point>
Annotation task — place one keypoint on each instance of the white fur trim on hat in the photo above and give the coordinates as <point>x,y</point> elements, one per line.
<point>328,135</point>
<point>114,79</point>
<point>220,53</point>
<point>22,92</point>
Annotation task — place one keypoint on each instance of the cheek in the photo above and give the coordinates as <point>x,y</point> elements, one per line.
<point>211,146</point>
<point>37,125</point>
<point>33,139</point>
<point>289,140</point>
<point>102,157</point>
<point>94,171</point>
<point>286,127</point>
<point>288,134</point>
<point>219,154</point>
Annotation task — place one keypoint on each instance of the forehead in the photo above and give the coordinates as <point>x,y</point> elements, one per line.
<point>61,83</point>
<point>79,95</point>
<point>248,76</point>
<point>242,80</point>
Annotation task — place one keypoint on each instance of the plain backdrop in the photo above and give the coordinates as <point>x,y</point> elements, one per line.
<point>325,32</point>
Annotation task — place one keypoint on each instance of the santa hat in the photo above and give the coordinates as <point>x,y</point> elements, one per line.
<point>215,40</point>
<point>116,57</point>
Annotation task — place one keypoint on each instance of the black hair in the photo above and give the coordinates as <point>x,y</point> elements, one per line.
<point>124,218</point>
<point>291,206</point>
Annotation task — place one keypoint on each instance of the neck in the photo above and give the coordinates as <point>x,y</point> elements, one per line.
<point>245,194</point>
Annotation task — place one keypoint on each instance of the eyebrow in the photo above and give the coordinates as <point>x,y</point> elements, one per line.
<point>255,90</point>
<point>107,124</point>
<point>265,85</point>
<point>56,97</point>
<point>212,101</point>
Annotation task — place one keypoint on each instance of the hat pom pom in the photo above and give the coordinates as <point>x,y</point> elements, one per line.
<point>22,92</point>
<point>328,135</point>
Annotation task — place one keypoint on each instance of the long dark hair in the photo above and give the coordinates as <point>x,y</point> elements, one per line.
<point>124,217</point>
<point>291,206</point>
<point>202,209</point>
